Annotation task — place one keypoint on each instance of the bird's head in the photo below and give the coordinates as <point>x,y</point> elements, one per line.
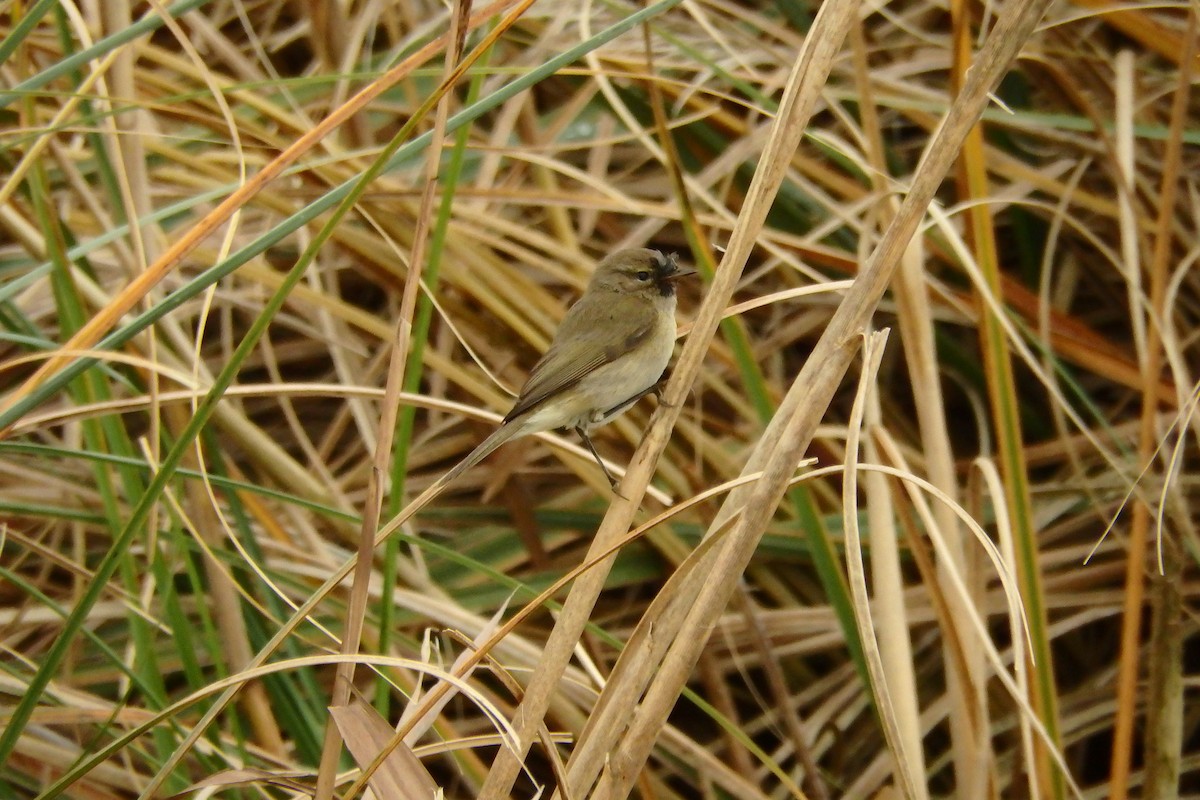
<point>640,271</point>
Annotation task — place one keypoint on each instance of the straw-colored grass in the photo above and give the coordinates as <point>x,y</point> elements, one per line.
<point>914,518</point>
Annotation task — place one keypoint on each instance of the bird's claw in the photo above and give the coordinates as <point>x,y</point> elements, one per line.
<point>657,391</point>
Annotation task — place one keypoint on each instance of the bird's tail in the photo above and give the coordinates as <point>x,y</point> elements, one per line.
<point>505,433</point>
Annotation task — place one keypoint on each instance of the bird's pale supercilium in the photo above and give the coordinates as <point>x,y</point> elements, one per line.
<point>611,349</point>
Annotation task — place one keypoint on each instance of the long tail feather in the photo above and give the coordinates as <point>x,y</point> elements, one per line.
<point>504,433</point>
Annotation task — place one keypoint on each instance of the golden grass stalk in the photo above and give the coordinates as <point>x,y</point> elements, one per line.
<point>812,64</point>
<point>792,428</point>
<point>178,607</point>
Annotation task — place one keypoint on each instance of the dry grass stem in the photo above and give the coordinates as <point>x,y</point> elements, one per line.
<point>269,270</point>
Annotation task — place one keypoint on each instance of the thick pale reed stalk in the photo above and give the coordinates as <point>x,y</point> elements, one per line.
<point>793,427</point>
<point>804,86</point>
<point>357,609</point>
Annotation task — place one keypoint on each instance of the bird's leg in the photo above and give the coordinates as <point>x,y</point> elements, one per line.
<point>657,388</point>
<point>583,434</point>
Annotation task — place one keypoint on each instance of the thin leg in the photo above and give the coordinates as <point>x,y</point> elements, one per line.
<point>583,434</point>
<point>657,389</point>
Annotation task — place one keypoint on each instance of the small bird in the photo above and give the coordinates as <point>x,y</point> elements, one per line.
<point>610,350</point>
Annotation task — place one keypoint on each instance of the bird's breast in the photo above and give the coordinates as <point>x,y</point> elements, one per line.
<point>610,388</point>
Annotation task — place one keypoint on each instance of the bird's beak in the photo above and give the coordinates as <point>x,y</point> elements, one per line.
<point>682,272</point>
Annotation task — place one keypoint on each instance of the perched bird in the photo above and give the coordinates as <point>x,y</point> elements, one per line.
<point>610,350</point>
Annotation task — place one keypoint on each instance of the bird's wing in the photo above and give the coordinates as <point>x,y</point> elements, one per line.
<point>583,343</point>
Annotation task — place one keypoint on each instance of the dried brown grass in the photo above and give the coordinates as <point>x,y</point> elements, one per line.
<point>1038,389</point>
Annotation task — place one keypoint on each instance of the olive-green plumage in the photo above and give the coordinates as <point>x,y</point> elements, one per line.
<point>610,349</point>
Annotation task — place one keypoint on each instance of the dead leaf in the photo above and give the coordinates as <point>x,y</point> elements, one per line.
<point>401,775</point>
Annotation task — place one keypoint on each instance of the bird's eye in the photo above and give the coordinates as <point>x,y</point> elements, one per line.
<point>643,275</point>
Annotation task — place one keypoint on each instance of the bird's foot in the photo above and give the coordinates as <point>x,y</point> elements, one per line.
<point>657,391</point>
